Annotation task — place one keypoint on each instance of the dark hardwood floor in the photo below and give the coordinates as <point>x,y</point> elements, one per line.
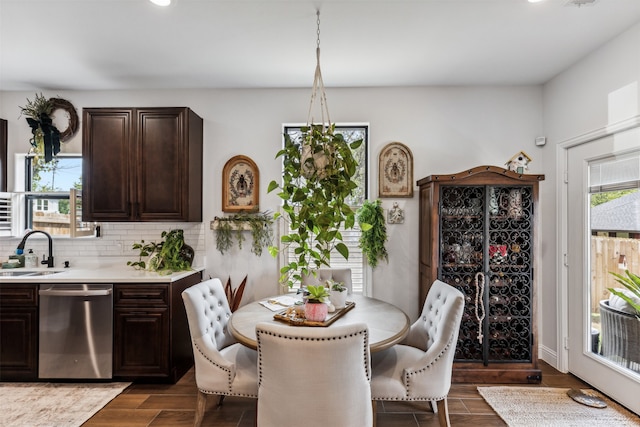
<point>173,405</point>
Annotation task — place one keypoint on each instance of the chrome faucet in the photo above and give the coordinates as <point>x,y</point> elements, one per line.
<point>49,260</point>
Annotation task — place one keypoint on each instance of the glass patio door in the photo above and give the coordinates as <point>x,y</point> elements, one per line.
<point>602,236</point>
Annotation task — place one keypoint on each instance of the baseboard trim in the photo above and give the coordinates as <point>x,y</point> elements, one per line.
<point>549,355</point>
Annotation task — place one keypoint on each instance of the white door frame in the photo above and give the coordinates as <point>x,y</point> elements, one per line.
<point>589,368</point>
<point>562,154</point>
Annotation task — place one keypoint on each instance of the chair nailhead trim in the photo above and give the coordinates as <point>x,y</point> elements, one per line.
<point>229,379</point>
<point>366,343</point>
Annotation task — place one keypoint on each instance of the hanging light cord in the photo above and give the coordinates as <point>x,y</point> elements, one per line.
<point>479,282</point>
<point>318,84</point>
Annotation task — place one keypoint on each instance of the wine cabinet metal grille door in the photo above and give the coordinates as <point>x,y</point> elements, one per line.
<point>486,251</point>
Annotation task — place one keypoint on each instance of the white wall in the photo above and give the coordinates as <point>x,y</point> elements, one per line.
<point>448,129</point>
<point>600,90</point>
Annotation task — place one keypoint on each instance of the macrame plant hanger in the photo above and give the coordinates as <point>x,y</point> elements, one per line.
<point>317,91</point>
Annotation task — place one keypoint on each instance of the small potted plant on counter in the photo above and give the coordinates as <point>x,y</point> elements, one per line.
<point>338,293</point>
<point>315,307</point>
<point>171,255</point>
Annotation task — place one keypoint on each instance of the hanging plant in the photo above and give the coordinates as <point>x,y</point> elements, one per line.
<point>228,227</point>
<point>46,137</point>
<point>374,232</point>
<point>316,184</point>
<point>315,198</point>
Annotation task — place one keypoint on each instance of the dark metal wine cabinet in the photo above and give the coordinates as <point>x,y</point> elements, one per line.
<point>478,234</point>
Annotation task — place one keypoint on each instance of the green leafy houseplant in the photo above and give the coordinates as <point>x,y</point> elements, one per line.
<point>316,182</point>
<point>630,282</point>
<point>335,286</point>
<point>166,257</point>
<point>317,294</point>
<point>260,225</point>
<point>374,232</point>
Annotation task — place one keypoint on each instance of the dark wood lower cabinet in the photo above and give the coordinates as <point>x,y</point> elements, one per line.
<point>151,333</point>
<point>151,340</point>
<point>18,333</point>
<point>141,342</point>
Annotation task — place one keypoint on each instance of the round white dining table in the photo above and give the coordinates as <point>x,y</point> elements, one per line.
<point>388,325</point>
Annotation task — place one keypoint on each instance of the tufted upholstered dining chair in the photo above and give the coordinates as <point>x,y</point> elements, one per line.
<point>223,367</point>
<point>338,274</point>
<point>420,368</point>
<point>313,376</point>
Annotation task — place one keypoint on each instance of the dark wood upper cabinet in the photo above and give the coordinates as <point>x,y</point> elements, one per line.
<point>142,164</point>
<point>3,155</point>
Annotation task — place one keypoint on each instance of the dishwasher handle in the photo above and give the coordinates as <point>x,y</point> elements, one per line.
<point>74,292</point>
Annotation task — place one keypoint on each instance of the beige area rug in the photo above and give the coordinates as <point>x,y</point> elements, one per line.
<point>547,406</point>
<point>53,404</point>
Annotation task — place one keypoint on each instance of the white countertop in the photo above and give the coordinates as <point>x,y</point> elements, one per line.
<point>114,273</point>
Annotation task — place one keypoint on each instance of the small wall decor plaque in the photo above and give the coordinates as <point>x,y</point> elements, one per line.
<point>240,185</point>
<point>395,214</point>
<point>395,171</point>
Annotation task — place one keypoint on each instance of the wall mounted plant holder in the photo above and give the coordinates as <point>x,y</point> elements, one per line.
<point>233,227</point>
<point>219,223</point>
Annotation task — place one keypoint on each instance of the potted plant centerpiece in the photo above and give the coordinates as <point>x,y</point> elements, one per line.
<point>316,307</point>
<point>337,293</point>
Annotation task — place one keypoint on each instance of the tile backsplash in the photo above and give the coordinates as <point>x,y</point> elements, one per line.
<point>115,241</point>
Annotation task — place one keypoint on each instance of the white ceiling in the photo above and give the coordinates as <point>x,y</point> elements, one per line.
<point>133,44</point>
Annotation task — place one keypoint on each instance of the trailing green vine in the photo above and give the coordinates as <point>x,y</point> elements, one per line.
<point>374,232</point>
<point>316,184</point>
<point>232,227</point>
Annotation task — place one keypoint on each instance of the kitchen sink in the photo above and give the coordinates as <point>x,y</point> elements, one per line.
<point>26,273</point>
<point>16,273</point>
<point>45,273</point>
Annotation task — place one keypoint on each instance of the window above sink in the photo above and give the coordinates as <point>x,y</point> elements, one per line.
<point>47,197</point>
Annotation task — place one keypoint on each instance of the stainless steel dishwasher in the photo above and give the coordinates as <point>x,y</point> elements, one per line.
<point>76,331</point>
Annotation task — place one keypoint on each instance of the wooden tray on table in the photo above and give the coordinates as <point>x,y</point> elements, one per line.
<point>332,317</point>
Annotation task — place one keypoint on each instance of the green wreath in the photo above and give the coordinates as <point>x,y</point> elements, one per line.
<point>46,137</point>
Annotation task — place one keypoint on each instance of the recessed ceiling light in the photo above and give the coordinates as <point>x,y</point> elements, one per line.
<point>161,2</point>
<point>535,1</point>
